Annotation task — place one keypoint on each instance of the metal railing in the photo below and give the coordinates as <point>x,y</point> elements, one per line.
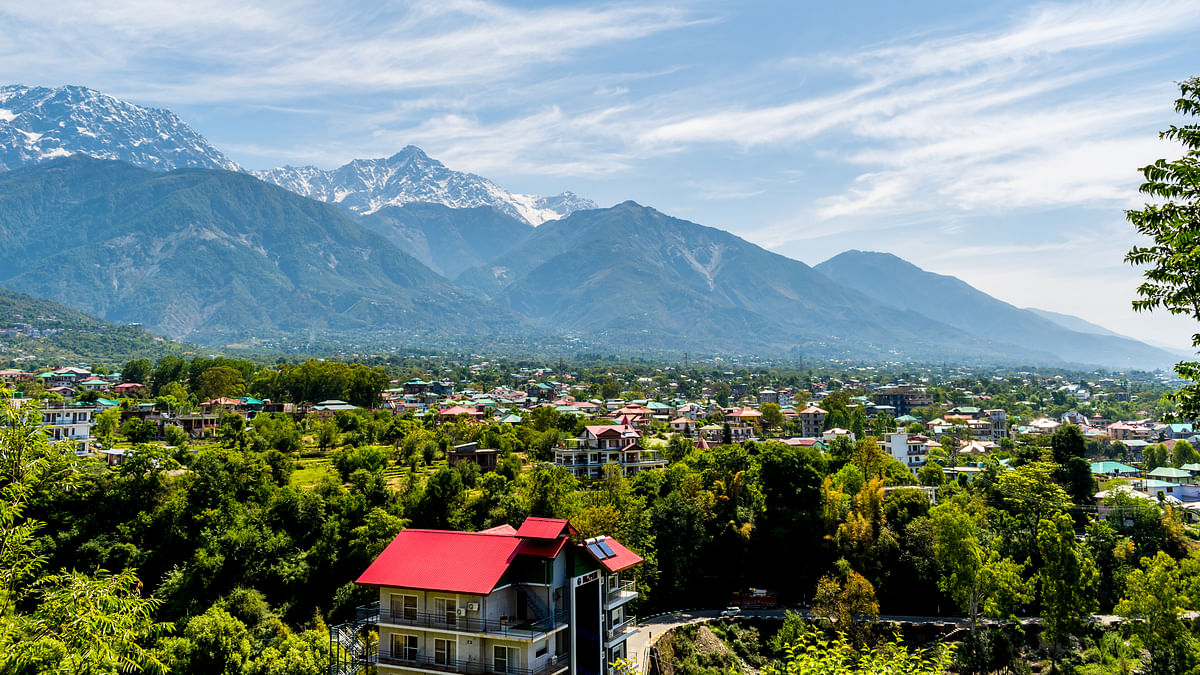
<point>622,627</point>
<point>511,627</point>
<point>426,662</point>
<point>623,590</point>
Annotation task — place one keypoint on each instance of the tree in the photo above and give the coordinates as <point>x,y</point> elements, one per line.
<point>219,381</point>
<point>975,575</point>
<point>1067,580</point>
<point>772,415</point>
<point>812,653</point>
<point>1153,596</point>
<point>1173,276</point>
<point>106,425</point>
<point>138,370</point>
<point>848,605</point>
<point>1184,453</point>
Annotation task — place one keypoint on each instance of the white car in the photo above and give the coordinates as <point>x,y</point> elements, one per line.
<point>731,611</point>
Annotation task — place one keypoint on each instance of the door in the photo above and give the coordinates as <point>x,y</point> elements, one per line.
<point>505,659</point>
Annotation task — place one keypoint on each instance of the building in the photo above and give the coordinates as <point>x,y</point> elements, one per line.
<point>471,452</point>
<point>586,456</point>
<point>526,601</point>
<point>904,398</point>
<point>998,419</point>
<point>812,421</point>
<point>911,450</point>
<point>69,424</point>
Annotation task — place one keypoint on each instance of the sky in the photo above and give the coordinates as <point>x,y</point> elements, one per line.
<point>997,142</point>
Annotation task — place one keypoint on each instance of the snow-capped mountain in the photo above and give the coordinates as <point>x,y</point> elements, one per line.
<point>38,123</point>
<point>364,186</point>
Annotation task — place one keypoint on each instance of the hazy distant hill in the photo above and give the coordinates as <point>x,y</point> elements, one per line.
<point>210,254</point>
<point>448,240</point>
<point>38,123</point>
<point>53,332</point>
<point>632,275</point>
<point>903,285</point>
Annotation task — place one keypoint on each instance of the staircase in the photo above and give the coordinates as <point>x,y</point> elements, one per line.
<point>350,650</point>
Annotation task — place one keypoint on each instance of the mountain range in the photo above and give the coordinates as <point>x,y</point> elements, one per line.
<point>900,284</point>
<point>38,123</point>
<point>180,239</point>
<point>365,186</point>
<point>211,255</point>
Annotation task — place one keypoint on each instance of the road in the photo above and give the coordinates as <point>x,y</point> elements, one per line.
<point>653,628</point>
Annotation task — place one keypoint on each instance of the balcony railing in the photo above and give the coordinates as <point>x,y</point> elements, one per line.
<point>621,592</point>
<point>624,627</point>
<point>426,662</point>
<point>513,627</point>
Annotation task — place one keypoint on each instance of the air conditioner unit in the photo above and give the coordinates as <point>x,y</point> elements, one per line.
<point>460,612</point>
<point>473,606</point>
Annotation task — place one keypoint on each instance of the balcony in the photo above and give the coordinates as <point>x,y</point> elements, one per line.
<point>629,624</point>
<point>425,662</point>
<point>620,593</point>
<point>521,629</point>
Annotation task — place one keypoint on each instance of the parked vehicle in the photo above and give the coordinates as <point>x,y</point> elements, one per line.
<point>731,611</point>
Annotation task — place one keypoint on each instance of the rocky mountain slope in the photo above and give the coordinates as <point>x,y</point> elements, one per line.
<point>364,186</point>
<point>37,123</point>
<point>448,240</point>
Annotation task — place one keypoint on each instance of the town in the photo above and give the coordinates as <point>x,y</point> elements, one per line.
<point>516,485</point>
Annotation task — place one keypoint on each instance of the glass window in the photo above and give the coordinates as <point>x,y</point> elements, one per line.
<point>404,606</point>
<point>404,647</point>
<point>504,659</point>
<point>443,652</point>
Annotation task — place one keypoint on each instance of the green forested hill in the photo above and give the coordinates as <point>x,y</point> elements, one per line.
<point>68,335</point>
<point>213,255</point>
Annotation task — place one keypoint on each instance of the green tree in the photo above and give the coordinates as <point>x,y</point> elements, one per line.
<point>850,605</point>
<point>1153,597</point>
<point>812,653</point>
<point>138,370</point>
<point>1173,260</point>
<point>1184,453</point>
<point>219,381</point>
<point>974,574</point>
<point>1067,581</point>
<point>107,423</point>
<point>772,415</point>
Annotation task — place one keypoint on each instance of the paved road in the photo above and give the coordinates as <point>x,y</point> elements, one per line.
<point>650,630</point>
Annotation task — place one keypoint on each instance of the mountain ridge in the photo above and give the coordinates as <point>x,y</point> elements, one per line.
<point>40,123</point>
<point>364,186</point>
<point>951,300</point>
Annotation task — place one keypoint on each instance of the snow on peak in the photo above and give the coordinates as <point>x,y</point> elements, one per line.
<point>39,123</point>
<point>366,185</point>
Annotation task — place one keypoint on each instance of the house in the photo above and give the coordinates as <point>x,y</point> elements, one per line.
<point>471,452</point>
<point>93,383</point>
<point>69,423</point>
<point>129,389</point>
<point>682,425</point>
<point>911,450</point>
<point>1114,470</point>
<point>904,398</point>
<point>812,421</point>
<point>528,601</point>
<point>1171,475</point>
<point>586,456</point>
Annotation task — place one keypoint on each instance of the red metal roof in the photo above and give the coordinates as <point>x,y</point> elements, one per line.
<point>500,529</point>
<point>622,559</point>
<point>542,528</point>
<point>541,548</point>
<point>440,560</point>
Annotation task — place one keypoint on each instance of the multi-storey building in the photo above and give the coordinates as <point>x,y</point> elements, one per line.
<point>904,398</point>
<point>911,451</point>
<point>67,423</point>
<point>527,601</point>
<point>586,456</point>
<point>812,421</point>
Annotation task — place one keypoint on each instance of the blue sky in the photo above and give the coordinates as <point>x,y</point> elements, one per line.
<point>997,143</point>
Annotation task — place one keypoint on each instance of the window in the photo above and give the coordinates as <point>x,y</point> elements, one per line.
<point>404,647</point>
<point>404,607</point>
<point>443,652</point>
<point>447,608</point>
<point>541,649</point>
<point>504,659</point>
